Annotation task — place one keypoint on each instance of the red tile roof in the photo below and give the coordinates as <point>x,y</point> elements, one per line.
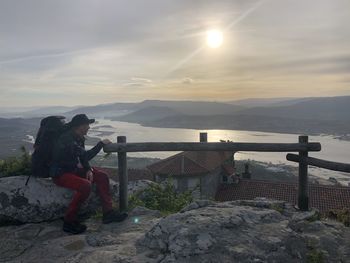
<point>322,197</point>
<point>190,162</point>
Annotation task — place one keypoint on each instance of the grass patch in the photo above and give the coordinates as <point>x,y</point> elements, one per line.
<point>98,215</point>
<point>162,197</point>
<point>14,166</point>
<point>315,217</point>
<point>315,256</point>
<point>341,215</point>
<point>277,208</point>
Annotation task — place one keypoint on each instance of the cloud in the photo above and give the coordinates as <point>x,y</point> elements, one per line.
<point>139,82</point>
<point>187,80</point>
<point>137,49</point>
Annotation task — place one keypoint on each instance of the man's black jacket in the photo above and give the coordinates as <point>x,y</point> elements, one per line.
<point>68,151</point>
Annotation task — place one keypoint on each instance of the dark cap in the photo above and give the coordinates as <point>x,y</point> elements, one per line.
<point>80,119</point>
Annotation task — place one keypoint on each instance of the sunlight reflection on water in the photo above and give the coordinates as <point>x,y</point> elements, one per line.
<point>332,149</point>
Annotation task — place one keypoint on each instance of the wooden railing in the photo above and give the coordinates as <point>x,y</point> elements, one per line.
<point>302,147</point>
<point>304,161</point>
<point>334,166</point>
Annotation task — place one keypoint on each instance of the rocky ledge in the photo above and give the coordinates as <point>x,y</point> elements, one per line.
<point>242,231</point>
<point>42,200</point>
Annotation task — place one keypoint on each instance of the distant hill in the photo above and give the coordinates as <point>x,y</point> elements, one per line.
<point>30,112</point>
<point>48,111</point>
<point>327,115</point>
<point>14,124</point>
<point>151,113</point>
<point>13,135</point>
<point>310,115</point>
<point>194,107</point>
<point>103,110</point>
<point>326,108</point>
<point>183,107</point>
<point>267,102</point>
<point>329,108</point>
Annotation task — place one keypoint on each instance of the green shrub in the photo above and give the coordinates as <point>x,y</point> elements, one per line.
<point>277,208</point>
<point>315,217</point>
<point>16,165</point>
<point>315,256</point>
<point>134,201</point>
<point>342,216</point>
<point>163,197</point>
<point>97,215</point>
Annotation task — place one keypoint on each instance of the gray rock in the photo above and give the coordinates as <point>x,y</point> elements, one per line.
<point>244,231</point>
<point>46,242</point>
<point>197,204</point>
<point>311,215</point>
<point>262,202</point>
<point>42,200</point>
<point>38,201</point>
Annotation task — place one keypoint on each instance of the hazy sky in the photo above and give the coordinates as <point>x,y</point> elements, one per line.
<point>74,52</point>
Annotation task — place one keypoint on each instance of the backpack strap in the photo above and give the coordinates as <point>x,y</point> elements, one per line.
<point>28,179</point>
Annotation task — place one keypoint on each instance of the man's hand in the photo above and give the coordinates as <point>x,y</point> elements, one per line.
<point>106,141</point>
<point>89,175</point>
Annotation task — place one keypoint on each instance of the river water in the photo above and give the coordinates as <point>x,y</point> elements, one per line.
<point>332,149</point>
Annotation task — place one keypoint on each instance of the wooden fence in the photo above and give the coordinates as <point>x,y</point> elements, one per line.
<point>339,167</point>
<point>303,146</point>
<point>304,161</point>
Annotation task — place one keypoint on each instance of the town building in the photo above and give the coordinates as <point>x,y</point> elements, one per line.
<point>200,172</point>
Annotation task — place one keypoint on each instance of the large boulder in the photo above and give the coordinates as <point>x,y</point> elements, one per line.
<point>46,242</point>
<point>42,200</point>
<point>247,231</point>
<point>205,231</point>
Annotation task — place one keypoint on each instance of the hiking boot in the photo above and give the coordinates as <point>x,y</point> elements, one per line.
<point>113,216</point>
<point>73,227</point>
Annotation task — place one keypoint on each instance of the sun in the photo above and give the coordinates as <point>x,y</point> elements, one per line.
<point>214,38</point>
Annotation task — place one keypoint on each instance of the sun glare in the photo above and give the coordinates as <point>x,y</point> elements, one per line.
<point>214,38</point>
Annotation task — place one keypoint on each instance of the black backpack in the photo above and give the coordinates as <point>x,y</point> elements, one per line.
<point>50,129</point>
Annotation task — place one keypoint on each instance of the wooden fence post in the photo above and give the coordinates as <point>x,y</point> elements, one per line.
<point>203,137</point>
<point>303,188</point>
<point>123,177</point>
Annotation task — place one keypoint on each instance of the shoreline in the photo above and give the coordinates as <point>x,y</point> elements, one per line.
<point>342,137</point>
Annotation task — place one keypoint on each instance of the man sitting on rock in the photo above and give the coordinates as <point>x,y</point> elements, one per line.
<point>71,169</point>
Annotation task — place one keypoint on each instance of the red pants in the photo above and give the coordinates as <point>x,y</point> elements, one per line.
<point>82,189</point>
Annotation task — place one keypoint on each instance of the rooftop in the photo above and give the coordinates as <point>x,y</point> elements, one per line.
<point>322,197</point>
<point>190,162</point>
